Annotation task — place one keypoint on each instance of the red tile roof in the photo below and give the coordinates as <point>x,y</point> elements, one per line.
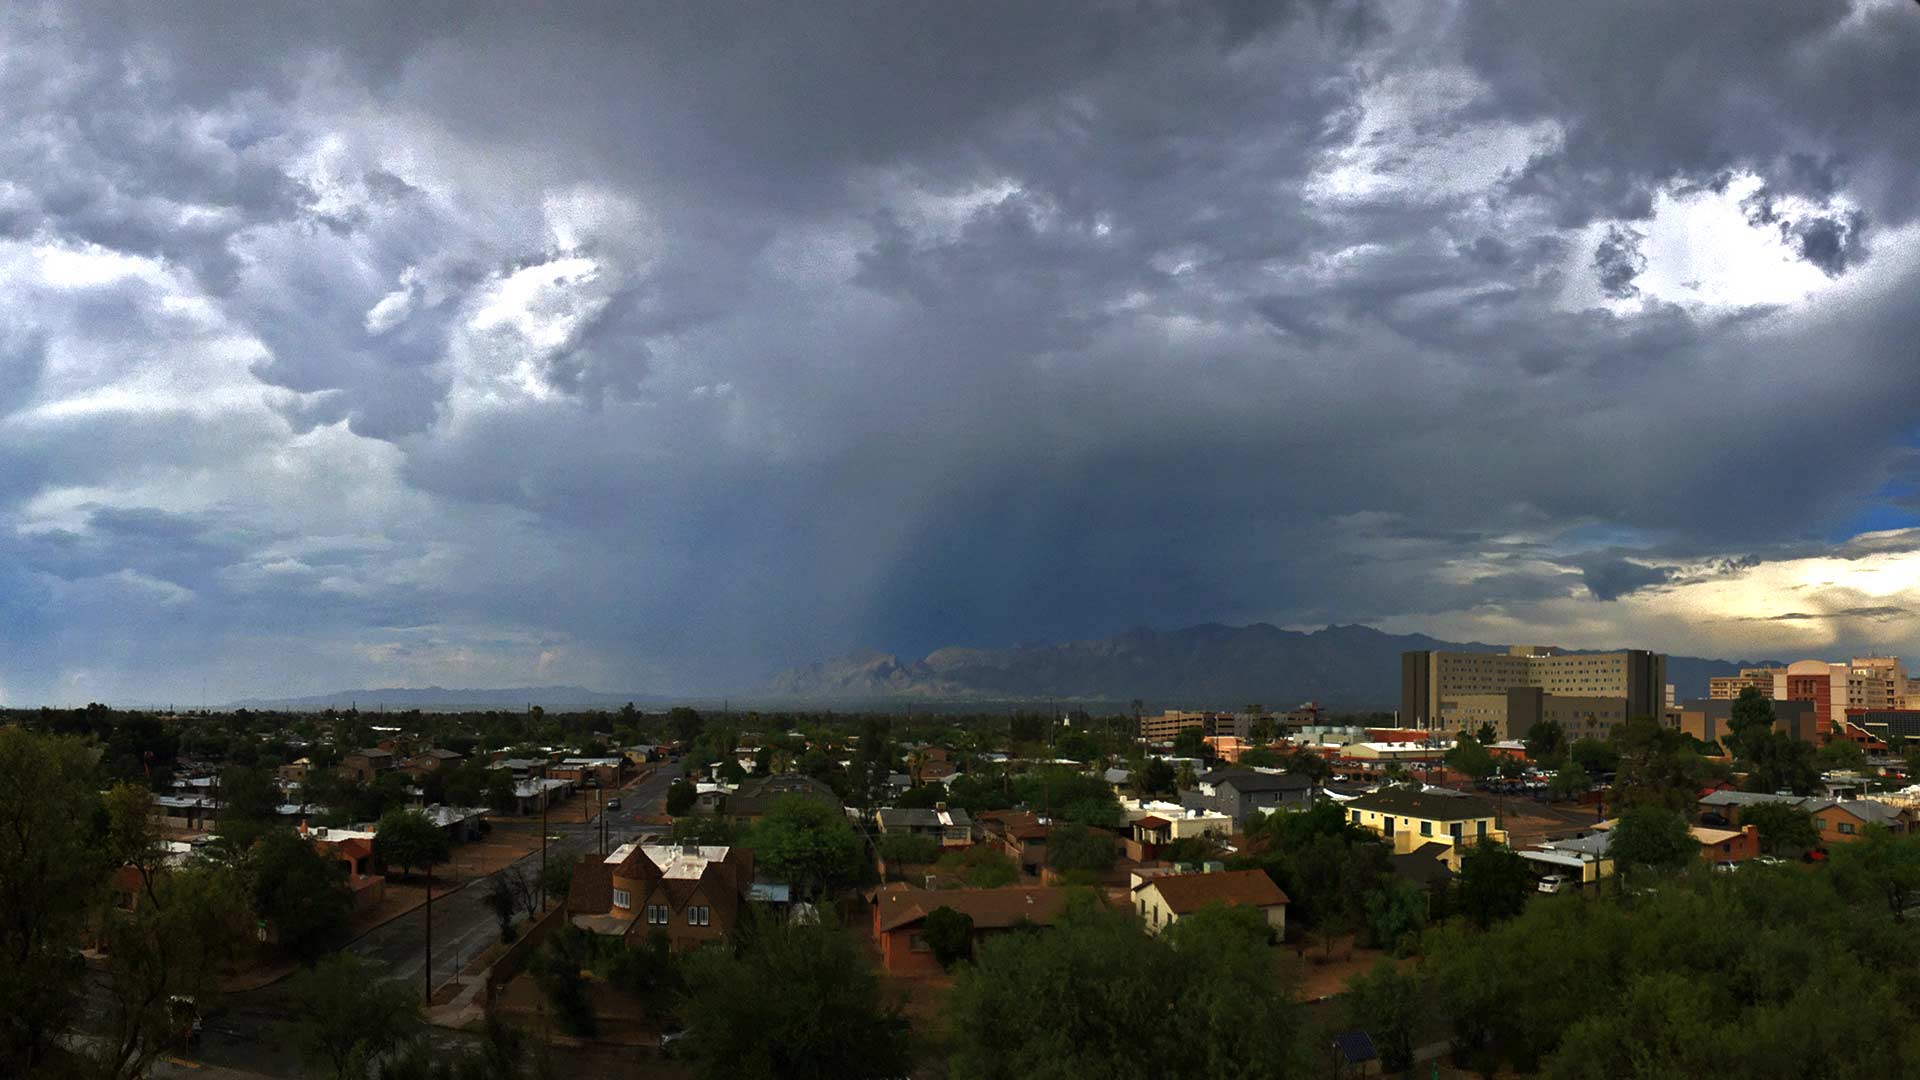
<point>990,909</point>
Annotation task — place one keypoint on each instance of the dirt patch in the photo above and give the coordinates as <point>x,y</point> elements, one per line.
<point>1325,973</point>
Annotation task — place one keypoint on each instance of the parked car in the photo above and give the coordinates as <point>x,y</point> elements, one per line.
<point>1725,866</point>
<point>1554,883</point>
<point>1768,860</point>
<point>613,804</point>
<point>670,1043</point>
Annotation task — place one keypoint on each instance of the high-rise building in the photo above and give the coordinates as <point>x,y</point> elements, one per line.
<point>1460,691</point>
<point>1728,687</point>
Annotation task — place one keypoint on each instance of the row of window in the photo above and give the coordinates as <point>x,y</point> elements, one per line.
<point>660,914</point>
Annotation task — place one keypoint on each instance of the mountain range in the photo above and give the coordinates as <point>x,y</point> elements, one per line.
<point>1208,666</point>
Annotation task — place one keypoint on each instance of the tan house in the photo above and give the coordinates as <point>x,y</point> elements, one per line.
<point>1842,821</point>
<point>1407,819</point>
<point>426,761</point>
<point>1162,901</point>
<point>692,894</point>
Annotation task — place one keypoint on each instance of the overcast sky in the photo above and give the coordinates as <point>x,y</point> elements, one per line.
<point>661,346</point>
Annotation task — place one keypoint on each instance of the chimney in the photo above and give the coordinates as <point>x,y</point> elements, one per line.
<point>941,807</point>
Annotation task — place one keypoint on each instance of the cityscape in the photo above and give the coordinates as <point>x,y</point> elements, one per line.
<point>913,541</point>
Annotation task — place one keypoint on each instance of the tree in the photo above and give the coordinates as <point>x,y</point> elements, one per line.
<point>980,867</point>
<point>1594,755</point>
<point>1204,998</point>
<point>1387,1003</point>
<point>133,838</point>
<point>1781,762</point>
<point>248,794</point>
<point>1153,779</point>
<point>500,795</point>
<point>1783,828</point>
<point>1880,865</point>
<point>828,1020</point>
<point>807,843</point>
<point>704,829</point>
<point>1570,782</point>
<point>408,839</point>
<point>1493,883</point>
<point>1470,757</point>
<point>1262,757</point>
<point>176,946</point>
<point>949,934</point>
<point>50,862</point>
<point>501,900</point>
<point>685,723</point>
<point>557,969</point>
<point>1842,754</point>
<point>680,797</point>
<point>1751,714</point>
<point>907,849</point>
<point>1486,735</point>
<point>1078,847</point>
<point>1652,838</point>
<point>1545,741</point>
<point>349,1018</point>
<point>301,892</point>
<point>1396,912</point>
<point>1658,766</point>
<point>1190,742</point>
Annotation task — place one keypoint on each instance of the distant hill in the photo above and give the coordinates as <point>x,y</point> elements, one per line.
<point>1209,666</point>
<point>441,699</point>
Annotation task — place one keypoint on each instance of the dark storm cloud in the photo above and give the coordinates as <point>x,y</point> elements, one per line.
<point>682,342</point>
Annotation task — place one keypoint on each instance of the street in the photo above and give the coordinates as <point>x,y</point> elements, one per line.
<point>245,1031</point>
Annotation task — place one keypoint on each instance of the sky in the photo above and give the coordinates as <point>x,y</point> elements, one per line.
<point>657,347</point>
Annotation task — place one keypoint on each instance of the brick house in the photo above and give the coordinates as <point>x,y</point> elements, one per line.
<point>1728,845</point>
<point>692,894</point>
<point>1019,833</point>
<point>426,761</point>
<point>754,796</point>
<point>365,765</point>
<point>900,912</point>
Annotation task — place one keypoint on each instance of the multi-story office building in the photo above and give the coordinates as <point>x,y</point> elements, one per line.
<point>1728,687</point>
<point>1587,693</point>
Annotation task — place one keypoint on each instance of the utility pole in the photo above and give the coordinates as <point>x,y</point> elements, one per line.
<point>543,848</point>
<point>428,999</point>
<point>601,810</point>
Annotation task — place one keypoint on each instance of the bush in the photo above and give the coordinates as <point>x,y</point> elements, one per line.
<point>907,849</point>
<point>949,934</point>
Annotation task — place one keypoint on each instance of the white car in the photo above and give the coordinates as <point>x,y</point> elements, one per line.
<point>1554,883</point>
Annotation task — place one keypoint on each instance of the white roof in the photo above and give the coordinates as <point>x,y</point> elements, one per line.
<point>676,861</point>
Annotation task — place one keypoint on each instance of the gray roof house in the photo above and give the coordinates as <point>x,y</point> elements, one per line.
<point>1242,793</point>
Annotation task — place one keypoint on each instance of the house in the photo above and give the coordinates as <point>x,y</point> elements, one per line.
<point>1725,805</point>
<point>366,765</point>
<point>1162,900</point>
<point>426,761</point>
<point>184,813</point>
<point>693,894</point>
<point>1407,819</point>
<point>1020,833</point>
<point>951,828</point>
<point>1842,822</point>
<point>523,769</point>
<point>354,850</point>
<point>1243,793</point>
<point>590,772</point>
<point>1153,826</point>
<point>900,912</point>
<point>1582,860</point>
<point>754,796</point>
<point>294,772</point>
<point>1727,845</point>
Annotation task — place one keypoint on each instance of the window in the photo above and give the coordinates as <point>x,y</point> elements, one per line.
<point>656,914</point>
<point>1820,824</point>
<point>697,916</point>
<point>1426,828</point>
<point>622,898</point>
<point>917,942</point>
<point>1482,823</point>
<point>1846,828</point>
<point>1356,817</point>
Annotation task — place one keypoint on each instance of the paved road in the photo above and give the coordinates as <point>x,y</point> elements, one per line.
<point>247,1030</point>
